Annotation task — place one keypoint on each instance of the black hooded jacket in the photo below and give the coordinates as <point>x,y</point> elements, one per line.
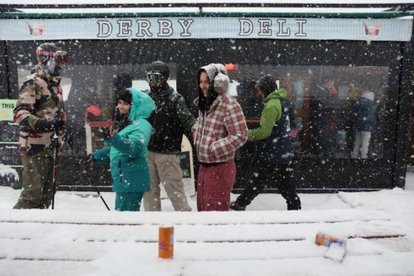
<point>170,120</point>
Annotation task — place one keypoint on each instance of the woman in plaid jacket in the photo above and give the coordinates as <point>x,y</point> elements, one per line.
<point>220,130</point>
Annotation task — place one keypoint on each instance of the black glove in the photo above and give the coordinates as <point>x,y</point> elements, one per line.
<point>105,133</point>
<point>86,163</point>
<point>44,124</point>
<point>58,123</point>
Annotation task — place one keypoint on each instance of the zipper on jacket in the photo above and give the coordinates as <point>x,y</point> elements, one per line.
<point>121,176</point>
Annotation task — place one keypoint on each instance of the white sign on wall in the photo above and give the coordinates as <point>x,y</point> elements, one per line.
<point>207,27</point>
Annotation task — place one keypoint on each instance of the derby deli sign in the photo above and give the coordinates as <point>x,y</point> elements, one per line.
<point>207,27</point>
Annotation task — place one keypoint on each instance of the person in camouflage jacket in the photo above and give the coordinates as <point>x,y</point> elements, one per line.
<point>39,114</point>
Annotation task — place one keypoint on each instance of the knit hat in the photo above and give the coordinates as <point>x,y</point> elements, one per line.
<point>126,96</point>
<point>267,84</point>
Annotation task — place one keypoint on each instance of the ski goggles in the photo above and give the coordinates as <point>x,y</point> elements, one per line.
<point>154,77</point>
<point>61,57</point>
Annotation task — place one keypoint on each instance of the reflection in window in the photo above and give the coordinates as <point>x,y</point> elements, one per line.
<point>90,97</point>
<point>336,110</point>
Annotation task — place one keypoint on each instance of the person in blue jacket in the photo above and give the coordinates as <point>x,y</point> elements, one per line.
<point>364,112</point>
<point>127,149</point>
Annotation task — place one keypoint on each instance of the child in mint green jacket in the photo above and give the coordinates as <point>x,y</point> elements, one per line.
<point>127,150</point>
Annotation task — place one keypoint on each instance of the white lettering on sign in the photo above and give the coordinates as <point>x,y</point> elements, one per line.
<point>180,27</point>
<point>165,27</point>
<point>143,28</point>
<point>280,28</point>
<point>285,32</point>
<point>246,27</point>
<point>300,32</point>
<point>185,24</point>
<point>124,28</point>
<point>104,28</point>
<point>265,25</point>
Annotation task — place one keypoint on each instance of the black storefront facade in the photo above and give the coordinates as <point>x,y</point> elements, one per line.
<point>369,50</point>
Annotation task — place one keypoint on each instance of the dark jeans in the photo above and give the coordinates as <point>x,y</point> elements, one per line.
<point>262,174</point>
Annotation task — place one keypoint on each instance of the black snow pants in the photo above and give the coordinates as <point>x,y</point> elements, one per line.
<point>266,174</point>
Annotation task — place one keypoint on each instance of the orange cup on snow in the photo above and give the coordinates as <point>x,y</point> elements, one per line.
<point>166,242</point>
<point>326,240</point>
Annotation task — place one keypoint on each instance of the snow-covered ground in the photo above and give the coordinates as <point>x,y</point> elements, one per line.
<point>80,237</point>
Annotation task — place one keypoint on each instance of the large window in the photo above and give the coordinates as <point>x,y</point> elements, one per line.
<point>90,97</point>
<point>337,111</point>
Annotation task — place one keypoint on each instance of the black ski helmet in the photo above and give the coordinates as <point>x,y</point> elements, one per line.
<point>159,67</point>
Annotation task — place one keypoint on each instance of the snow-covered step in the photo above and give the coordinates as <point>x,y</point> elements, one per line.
<point>177,218</point>
<point>81,251</point>
<point>80,243</point>
<point>199,232</point>
<point>109,265</point>
<point>359,265</point>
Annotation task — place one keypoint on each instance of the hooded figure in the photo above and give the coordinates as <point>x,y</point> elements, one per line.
<point>272,136</point>
<point>364,113</point>
<point>215,88</point>
<point>274,149</point>
<point>220,130</point>
<point>127,150</point>
<point>39,114</point>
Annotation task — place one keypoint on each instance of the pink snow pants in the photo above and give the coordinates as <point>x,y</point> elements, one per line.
<point>214,185</point>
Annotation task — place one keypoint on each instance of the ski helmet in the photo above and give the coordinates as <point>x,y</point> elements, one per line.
<point>51,57</point>
<point>157,73</point>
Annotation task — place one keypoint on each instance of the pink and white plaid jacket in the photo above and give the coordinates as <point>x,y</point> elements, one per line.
<point>220,131</point>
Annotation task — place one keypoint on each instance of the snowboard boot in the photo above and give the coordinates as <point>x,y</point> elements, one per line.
<point>294,204</point>
<point>236,207</point>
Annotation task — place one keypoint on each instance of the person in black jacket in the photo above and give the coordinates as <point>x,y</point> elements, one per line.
<point>170,120</point>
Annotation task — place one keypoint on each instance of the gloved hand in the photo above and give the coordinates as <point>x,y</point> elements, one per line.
<point>87,163</point>
<point>58,123</point>
<point>105,133</point>
<point>44,124</point>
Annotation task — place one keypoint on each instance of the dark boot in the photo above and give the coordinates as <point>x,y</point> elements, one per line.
<point>236,207</point>
<point>293,203</point>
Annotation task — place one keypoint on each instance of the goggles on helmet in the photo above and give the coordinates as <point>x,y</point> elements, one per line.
<point>154,77</point>
<point>61,57</point>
